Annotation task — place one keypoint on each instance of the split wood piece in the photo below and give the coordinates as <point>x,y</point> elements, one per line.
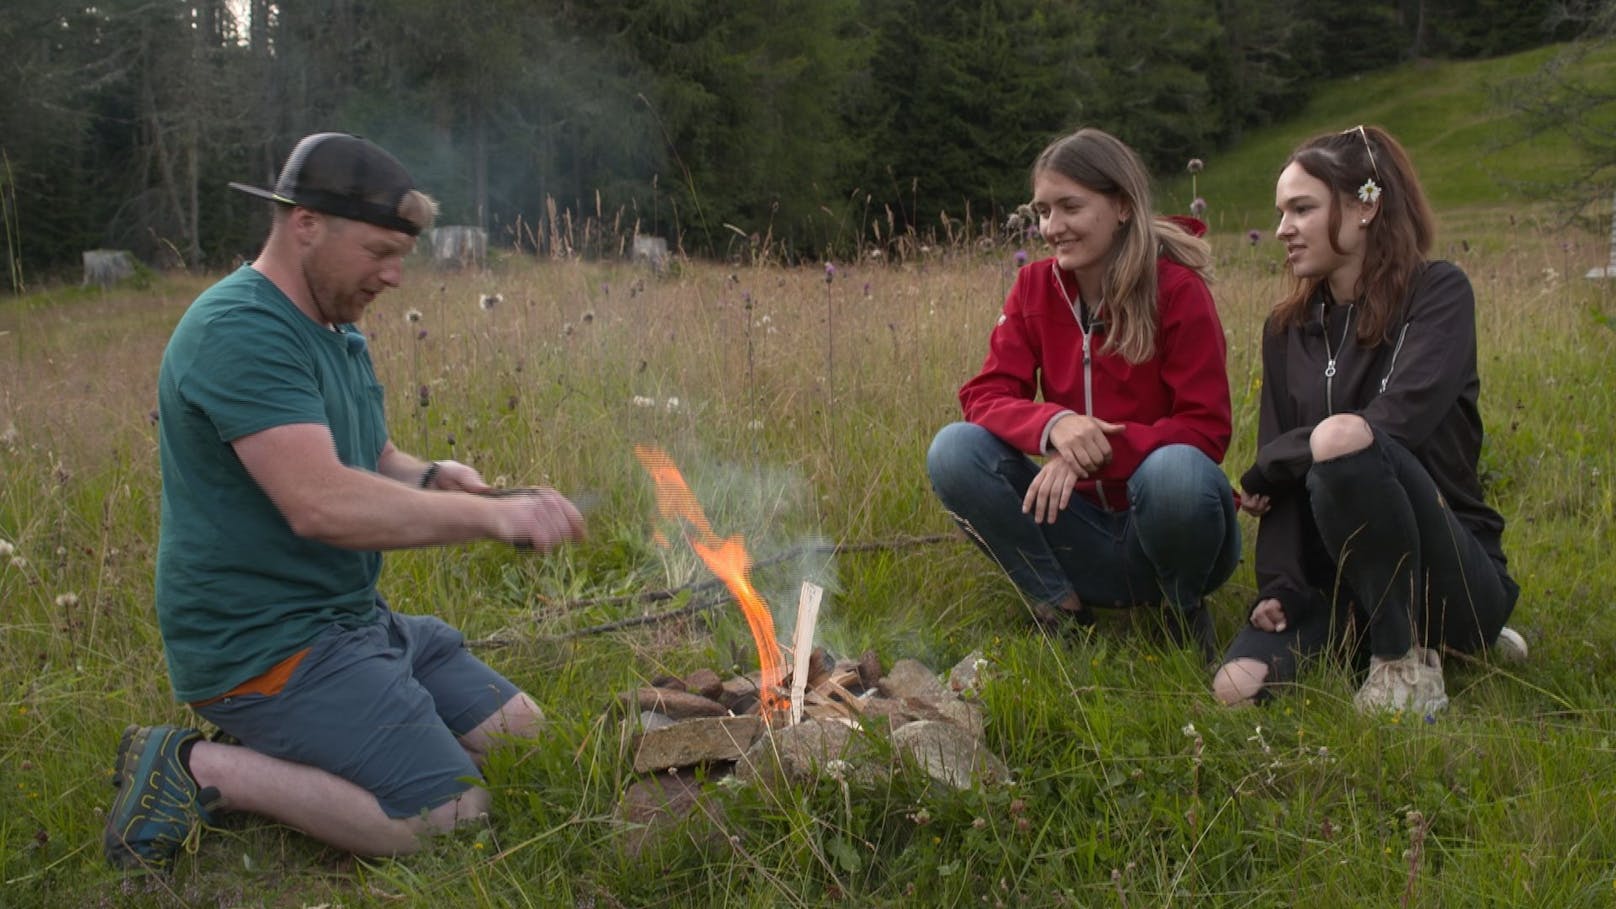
<point>802,645</point>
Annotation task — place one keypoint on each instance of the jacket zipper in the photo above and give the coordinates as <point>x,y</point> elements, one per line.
<point>1331,355</point>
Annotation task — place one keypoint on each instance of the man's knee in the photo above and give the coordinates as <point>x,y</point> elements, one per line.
<point>1339,436</point>
<point>408,834</point>
<point>520,717</point>
<point>1239,681</point>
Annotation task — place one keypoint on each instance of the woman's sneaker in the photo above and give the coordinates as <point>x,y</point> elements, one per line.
<point>1510,647</point>
<point>1411,683</point>
<point>158,808</point>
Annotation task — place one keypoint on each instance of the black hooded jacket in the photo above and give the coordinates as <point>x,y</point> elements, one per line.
<point>1418,387</point>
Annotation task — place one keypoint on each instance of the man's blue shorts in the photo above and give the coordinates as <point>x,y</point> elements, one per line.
<point>381,706</point>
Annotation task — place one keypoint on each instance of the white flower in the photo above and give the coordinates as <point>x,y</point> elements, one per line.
<point>1189,729</point>
<point>6,549</point>
<point>67,600</point>
<point>1369,192</point>
<point>489,301</point>
<point>413,315</point>
<point>643,401</point>
<point>672,405</point>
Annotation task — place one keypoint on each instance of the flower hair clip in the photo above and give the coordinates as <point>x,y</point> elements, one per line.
<point>1369,192</point>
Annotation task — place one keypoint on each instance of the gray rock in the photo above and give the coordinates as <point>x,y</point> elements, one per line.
<point>949,754</point>
<point>654,807</point>
<point>911,679</point>
<point>680,705</point>
<point>802,752</point>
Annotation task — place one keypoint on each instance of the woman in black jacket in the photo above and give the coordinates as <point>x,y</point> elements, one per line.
<point>1374,530</point>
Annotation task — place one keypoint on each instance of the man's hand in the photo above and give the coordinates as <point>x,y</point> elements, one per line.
<point>1269,615</point>
<point>1254,505</point>
<point>1081,442</point>
<point>538,517</point>
<point>453,476</point>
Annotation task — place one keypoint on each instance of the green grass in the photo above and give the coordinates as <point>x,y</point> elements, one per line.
<point>804,411</point>
<point>1466,149</point>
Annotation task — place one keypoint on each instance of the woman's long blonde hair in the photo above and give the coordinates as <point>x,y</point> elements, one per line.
<point>1105,164</point>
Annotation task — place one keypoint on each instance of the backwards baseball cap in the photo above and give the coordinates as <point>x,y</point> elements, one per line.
<point>346,176</point>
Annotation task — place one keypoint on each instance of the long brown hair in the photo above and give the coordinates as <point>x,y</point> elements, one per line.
<point>1106,165</point>
<point>1399,236</point>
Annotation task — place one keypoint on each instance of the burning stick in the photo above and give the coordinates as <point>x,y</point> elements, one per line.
<point>728,559</point>
<point>803,644</point>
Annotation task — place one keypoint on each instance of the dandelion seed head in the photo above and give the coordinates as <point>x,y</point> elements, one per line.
<point>67,600</point>
<point>413,315</point>
<point>1195,166</point>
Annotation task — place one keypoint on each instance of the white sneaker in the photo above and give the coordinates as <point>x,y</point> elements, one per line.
<point>1510,647</point>
<point>1410,683</point>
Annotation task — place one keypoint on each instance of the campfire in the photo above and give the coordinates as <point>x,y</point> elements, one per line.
<point>770,724</point>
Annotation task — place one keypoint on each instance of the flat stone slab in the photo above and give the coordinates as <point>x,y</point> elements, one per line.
<point>704,740</point>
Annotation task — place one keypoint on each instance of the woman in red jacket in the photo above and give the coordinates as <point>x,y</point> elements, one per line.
<point>1375,532</point>
<point>1108,362</point>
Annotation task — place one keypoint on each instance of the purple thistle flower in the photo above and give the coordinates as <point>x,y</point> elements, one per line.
<point>830,272</point>
<point>1253,237</point>
<point>1198,207</point>
<point>420,335</point>
<point>1021,257</point>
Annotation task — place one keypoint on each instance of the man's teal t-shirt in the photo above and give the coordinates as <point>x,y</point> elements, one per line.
<point>237,591</point>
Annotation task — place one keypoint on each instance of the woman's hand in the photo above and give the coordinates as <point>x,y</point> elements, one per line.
<point>1081,442</point>
<point>1050,491</point>
<point>1269,615</point>
<point>1254,504</point>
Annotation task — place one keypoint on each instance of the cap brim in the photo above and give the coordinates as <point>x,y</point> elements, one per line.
<point>261,193</point>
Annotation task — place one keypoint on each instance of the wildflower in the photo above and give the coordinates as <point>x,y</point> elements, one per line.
<point>566,330</point>
<point>1198,207</point>
<point>1196,165</point>
<point>19,563</point>
<point>489,301</point>
<point>642,401</point>
<point>420,335</point>
<point>67,600</point>
<point>1369,192</point>
<point>1253,237</point>
<point>866,288</point>
<point>6,549</point>
<point>672,404</point>
<point>424,394</point>
<point>589,316</point>
<point>830,272</point>
<point>755,425</point>
<point>1021,257</point>
<point>413,315</point>
<point>1189,730</point>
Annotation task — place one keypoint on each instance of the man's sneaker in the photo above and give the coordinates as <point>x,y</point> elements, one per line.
<point>158,808</point>
<point>1510,647</point>
<point>1410,683</point>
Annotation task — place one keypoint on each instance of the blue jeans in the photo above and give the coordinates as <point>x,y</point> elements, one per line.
<point>1179,539</point>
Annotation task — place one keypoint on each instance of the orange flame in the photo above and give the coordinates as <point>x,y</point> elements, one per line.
<point>727,559</point>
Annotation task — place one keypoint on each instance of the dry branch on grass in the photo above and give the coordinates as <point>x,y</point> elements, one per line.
<point>704,594</point>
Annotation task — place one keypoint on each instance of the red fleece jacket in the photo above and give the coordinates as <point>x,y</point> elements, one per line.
<point>1181,395</point>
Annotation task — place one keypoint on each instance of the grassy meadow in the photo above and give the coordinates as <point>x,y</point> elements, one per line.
<point>800,402</point>
<point>800,409</point>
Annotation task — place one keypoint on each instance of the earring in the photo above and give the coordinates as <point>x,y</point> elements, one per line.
<point>1363,222</point>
